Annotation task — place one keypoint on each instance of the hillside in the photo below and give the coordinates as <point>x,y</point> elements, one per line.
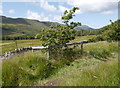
<point>83,27</point>
<point>110,32</point>
<point>14,27</point>
<point>113,25</point>
<point>21,26</point>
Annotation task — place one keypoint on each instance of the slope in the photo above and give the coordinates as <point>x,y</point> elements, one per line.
<point>21,26</point>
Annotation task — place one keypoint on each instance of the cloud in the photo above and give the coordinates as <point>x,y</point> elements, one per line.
<point>78,12</point>
<point>45,5</point>
<point>11,11</point>
<point>107,12</point>
<point>33,15</point>
<point>94,5</point>
<point>36,16</point>
<point>62,8</point>
<point>1,12</point>
<point>58,18</point>
<point>45,19</point>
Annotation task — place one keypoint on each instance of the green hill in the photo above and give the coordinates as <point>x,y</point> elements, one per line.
<point>13,27</point>
<point>83,27</point>
<point>109,32</point>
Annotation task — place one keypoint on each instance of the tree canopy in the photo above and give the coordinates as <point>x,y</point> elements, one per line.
<point>60,34</point>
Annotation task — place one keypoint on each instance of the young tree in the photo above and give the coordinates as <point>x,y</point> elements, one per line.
<point>60,34</point>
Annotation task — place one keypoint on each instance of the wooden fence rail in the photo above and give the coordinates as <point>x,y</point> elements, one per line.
<point>67,44</point>
<point>25,49</point>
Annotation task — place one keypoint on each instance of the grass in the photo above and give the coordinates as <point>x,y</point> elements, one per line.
<point>0,73</point>
<point>83,38</point>
<point>26,69</point>
<point>10,45</point>
<point>96,67</point>
<point>102,74</point>
<point>86,73</point>
<point>23,70</point>
<point>88,70</point>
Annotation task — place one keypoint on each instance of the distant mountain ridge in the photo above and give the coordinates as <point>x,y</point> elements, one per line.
<point>9,20</point>
<point>83,27</point>
<point>22,26</point>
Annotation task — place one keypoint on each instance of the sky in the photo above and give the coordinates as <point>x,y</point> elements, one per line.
<point>94,13</point>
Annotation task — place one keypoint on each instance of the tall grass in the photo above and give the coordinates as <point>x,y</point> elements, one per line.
<point>26,69</point>
<point>75,69</point>
<point>103,74</point>
<point>98,66</point>
<point>0,73</point>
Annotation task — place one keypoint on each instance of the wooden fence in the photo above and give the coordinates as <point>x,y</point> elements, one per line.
<point>25,49</point>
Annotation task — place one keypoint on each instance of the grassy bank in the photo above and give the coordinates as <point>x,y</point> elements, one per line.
<point>96,67</point>
<point>85,72</point>
<point>0,73</point>
<point>102,74</point>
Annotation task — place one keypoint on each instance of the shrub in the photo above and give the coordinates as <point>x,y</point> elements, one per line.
<point>92,40</point>
<point>61,63</point>
<point>99,38</point>
<point>69,53</point>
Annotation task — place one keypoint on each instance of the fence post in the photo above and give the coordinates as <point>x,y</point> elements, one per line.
<point>48,53</point>
<point>16,44</point>
<point>81,48</point>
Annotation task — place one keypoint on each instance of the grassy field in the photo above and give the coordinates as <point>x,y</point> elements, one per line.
<point>9,45</point>
<point>83,38</point>
<point>98,66</point>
